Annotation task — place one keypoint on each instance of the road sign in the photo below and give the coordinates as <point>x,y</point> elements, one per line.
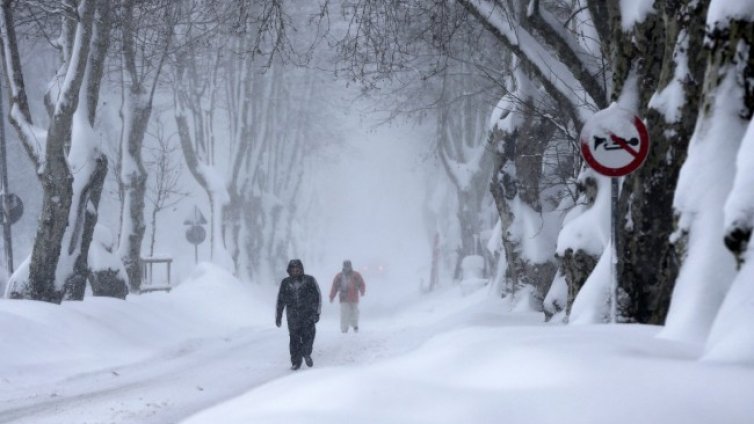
<point>15,208</point>
<point>614,142</point>
<point>196,234</point>
<point>196,217</point>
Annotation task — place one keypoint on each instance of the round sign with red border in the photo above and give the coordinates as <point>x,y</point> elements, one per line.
<point>614,142</point>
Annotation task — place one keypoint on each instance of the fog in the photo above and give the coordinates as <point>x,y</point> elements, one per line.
<point>373,193</point>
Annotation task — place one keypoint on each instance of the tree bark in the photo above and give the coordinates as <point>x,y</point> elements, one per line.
<point>138,104</point>
<point>133,181</point>
<point>707,268</point>
<point>647,262</point>
<point>44,280</point>
<point>86,197</point>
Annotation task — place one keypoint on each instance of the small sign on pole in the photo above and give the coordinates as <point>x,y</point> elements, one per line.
<point>195,234</point>
<point>615,143</point>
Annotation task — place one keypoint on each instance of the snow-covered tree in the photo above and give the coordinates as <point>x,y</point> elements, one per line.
<point>710,198</point>
<point>534,167</point>
<point>146,37</point>
<point>245,123</point>
<point>58,262</point>
<point>422,59</point>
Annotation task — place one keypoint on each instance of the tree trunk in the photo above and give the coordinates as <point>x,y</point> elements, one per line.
<point>516,185</point>
<point>706,179</point>
<point>133,181</point>
<point>462,121</point>
<point>648,264</point>
<point>232,227</point>
<point>138,109</point>
<point>93,170</point>
<point>104,282</point>
<point>46,277</point>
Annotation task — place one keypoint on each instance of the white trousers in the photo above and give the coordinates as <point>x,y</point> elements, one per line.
<point>349,316</point>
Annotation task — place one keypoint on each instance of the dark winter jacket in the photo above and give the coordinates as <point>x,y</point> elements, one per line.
<point>301,299</point>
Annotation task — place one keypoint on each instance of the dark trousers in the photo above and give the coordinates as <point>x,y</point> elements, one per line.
<point>302,339</point>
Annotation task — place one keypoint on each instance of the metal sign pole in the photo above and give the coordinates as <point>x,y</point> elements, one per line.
<point>614,249</point>
<point>614,142</point>
<point>7,239</point>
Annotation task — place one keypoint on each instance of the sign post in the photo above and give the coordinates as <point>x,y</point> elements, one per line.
<point>196,234</point>
<point>11,206</point>
<point>615,143</point>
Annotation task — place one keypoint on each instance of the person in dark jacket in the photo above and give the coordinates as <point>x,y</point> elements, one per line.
<point>300,297</point>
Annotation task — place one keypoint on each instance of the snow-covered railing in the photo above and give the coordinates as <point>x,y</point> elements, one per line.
<point>147,268</point>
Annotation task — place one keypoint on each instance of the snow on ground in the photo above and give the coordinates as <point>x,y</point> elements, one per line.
<point>208,352</point>
<point>499,368</point>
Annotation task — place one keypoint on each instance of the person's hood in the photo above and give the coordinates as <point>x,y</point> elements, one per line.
<point>293,263</point>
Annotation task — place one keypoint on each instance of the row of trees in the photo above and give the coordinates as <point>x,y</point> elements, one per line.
<point>686,71</point>
<point>538,68</point>
<point>238,111</point>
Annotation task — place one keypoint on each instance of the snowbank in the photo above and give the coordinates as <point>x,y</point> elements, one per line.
<point>582,374</point>
<point>45,340</point>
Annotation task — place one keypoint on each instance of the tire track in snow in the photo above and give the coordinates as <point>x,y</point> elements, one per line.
<point>190,377</point>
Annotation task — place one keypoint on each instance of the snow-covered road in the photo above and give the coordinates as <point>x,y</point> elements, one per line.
<point>195,375</point>
<point>160,389</point>
<point>191,375</point>
<point>192,358</point>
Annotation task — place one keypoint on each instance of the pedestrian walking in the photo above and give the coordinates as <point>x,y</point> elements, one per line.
<point>299,295</point>
<point>350,285</point>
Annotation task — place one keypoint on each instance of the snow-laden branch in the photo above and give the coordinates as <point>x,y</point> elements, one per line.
<point>462,173</point>
<point>584,65</point>
<point>670,100</point>
<point>559,80</point>
<point>33,138</point>
<point>184,135</point>
<point>739,206</point>
<point>69,92</point>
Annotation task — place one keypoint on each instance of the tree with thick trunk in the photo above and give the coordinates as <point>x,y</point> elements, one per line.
<point>461,128</point>
<point>706,180</point>
<point>89,165</point>
<point>43,276</point>
<point>143,60</point>
<point>648,263</point>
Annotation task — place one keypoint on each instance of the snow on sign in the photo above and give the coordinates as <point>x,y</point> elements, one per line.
<point>614,142</point>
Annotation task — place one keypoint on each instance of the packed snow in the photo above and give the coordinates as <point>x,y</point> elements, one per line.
<point>467,350</point>
<point>208,352</point>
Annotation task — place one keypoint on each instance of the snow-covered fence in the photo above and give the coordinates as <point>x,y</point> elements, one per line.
<point>149,283</point>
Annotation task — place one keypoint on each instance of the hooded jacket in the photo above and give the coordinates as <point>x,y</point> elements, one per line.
<point>349,285</point>
<point>300,297</point>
